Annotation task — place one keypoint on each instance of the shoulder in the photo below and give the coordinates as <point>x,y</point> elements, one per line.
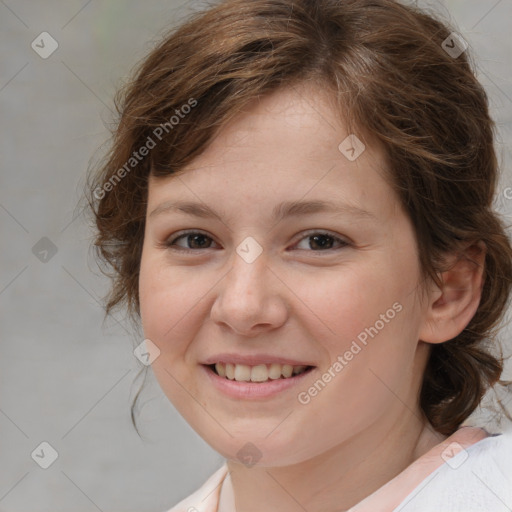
<point>495,449</point>
<point>206,498</point>
<point>477,478</point>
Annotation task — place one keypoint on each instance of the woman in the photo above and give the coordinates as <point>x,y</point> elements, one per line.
<point>297,209</point>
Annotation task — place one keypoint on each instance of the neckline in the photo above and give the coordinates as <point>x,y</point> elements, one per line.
<point>392,494</point>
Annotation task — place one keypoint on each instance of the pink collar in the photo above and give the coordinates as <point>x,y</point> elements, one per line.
<point>390,495</point>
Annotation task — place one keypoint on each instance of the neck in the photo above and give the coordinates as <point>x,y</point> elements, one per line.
<point>340,478</point>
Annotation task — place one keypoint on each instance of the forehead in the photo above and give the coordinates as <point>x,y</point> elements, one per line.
<point>286,146</point>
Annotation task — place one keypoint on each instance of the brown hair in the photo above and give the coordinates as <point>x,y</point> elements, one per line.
<point>393,82</point>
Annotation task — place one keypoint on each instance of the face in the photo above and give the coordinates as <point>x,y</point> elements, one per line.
<point>333,289</point>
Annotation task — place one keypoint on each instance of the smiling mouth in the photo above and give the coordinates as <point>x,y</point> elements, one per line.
<point>258,373</point>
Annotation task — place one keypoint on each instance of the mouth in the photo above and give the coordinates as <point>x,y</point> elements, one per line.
<point>260,373</point>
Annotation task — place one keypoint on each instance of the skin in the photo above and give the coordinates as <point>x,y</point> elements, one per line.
<point>297,299</point>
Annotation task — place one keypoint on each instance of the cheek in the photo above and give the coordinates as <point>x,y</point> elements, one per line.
<point>169,303</point>
<point>167,299</point>
<point>368,316</point>
<point>152,297</point>
<point>348,302</point>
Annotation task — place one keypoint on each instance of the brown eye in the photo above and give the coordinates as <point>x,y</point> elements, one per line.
<point>193,239</point>
<point>320,241</point>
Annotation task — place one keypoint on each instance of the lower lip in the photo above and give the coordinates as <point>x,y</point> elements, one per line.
<point>253,390</point>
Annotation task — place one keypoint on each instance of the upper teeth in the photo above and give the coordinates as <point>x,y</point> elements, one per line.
<point>258,373</point>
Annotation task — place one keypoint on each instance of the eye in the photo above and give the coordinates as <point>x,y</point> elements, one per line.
<point>322,240</point>
<point>195,240</point>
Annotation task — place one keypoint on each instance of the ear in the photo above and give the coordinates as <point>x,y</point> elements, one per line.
<point>451,308</point>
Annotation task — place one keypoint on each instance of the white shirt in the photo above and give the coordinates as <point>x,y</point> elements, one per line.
<point>478,478</point>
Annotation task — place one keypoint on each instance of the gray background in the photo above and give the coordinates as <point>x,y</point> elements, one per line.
<point>66,378</point>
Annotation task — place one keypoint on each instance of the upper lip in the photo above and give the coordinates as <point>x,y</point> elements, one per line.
<point>253,360</point>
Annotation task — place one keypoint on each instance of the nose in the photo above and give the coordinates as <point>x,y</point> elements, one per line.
<point>250,298</point>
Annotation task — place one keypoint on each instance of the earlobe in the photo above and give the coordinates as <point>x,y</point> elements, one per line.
<point>453,306</point>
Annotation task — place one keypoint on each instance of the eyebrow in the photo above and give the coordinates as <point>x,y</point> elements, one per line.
<point>280,211</point>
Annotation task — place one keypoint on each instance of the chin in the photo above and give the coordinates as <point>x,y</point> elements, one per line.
<point>254,450</point>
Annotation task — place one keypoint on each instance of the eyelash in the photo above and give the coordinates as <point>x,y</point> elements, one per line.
<point>170,242</point>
